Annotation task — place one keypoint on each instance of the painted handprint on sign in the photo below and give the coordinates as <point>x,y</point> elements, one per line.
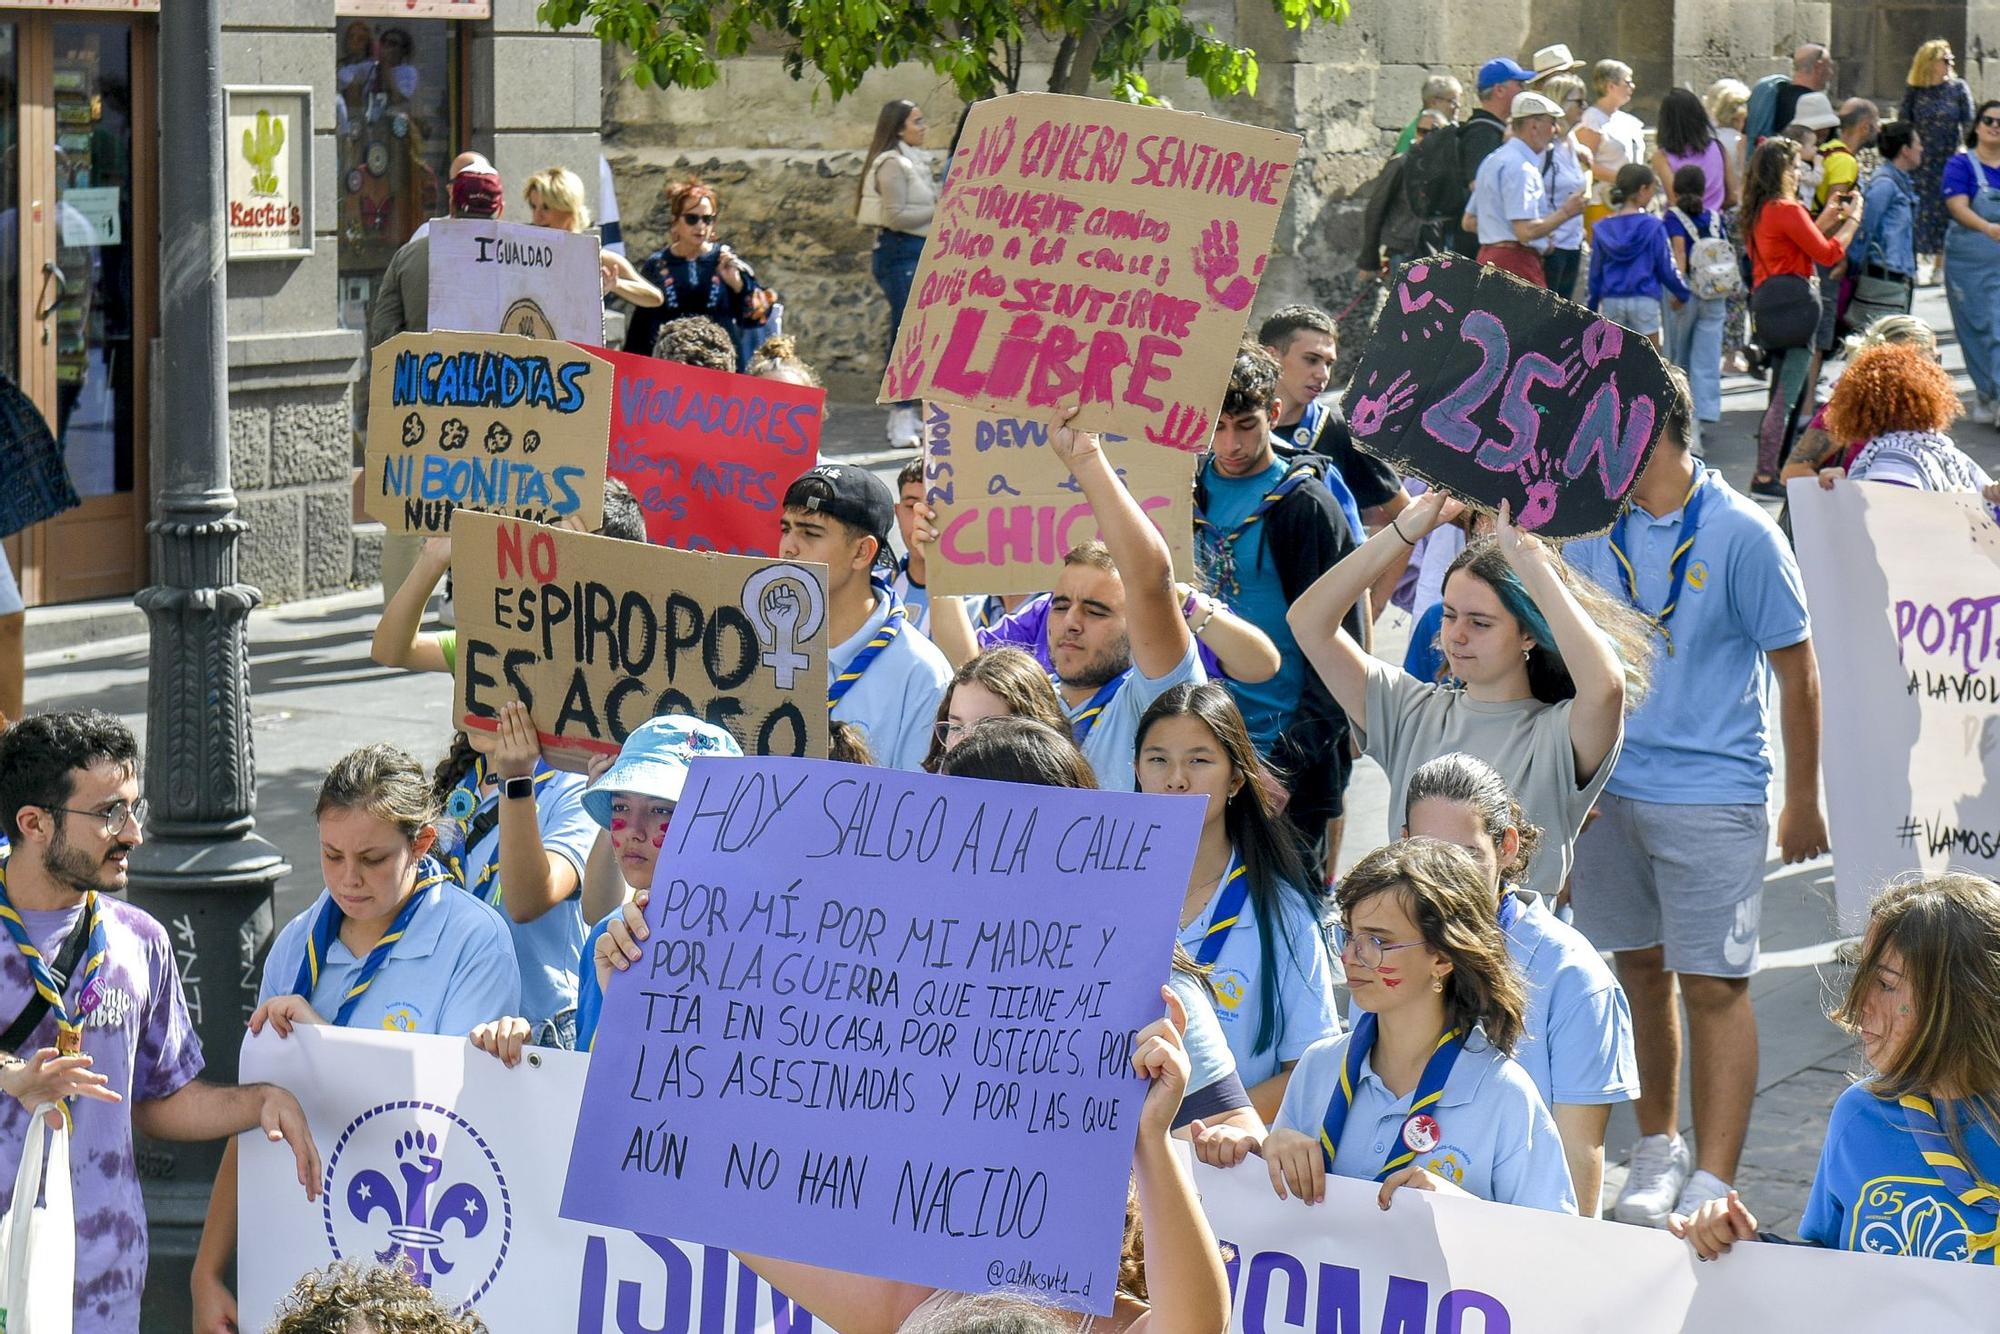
<point>1218,263</point>
<point>1186,428</point>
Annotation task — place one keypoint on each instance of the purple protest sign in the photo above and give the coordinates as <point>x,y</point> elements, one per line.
<point>885,1025</point>
<point>1495,390</point>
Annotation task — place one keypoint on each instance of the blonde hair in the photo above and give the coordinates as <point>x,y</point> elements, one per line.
<point>562,190</point>
<point>1605,73</point>
<point>1728,102</point>
<point>1936,49</point>
<point>1902,330</point>
<point>1559,88</point>
<point>782,354</point>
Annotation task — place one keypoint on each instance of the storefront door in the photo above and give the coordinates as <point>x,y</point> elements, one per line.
<point>77,280</point>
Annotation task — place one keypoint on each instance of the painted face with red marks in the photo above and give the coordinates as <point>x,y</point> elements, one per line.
<point>1388,965</point>
<point>638,831</point>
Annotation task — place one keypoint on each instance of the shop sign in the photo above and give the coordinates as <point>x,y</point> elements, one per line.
<point>267,140</point>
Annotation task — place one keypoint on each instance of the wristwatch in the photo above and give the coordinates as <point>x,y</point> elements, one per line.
<point>519,789</point>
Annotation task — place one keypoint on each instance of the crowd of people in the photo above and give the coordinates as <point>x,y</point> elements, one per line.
<point>1578,742</point>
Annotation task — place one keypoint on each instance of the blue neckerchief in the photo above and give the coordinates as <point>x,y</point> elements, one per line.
<point>1305,432</point>
<point>1510,910</point>
<point>69,1028</point>
<point>1676,564</point>
<point>1430,1088</point>
<point>1979,1198</point>
<point>1084,719</point>
<point>1228,908</point>
<point>1220,547</point>
<point>327,926</point>
<point>837,688</point>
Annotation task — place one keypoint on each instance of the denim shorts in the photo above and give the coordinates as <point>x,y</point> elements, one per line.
<point>1640,314</point>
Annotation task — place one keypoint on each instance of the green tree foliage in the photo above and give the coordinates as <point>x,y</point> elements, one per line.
<point>977,44</point>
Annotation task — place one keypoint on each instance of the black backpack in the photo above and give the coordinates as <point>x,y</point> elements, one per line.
<point>1434,184</point>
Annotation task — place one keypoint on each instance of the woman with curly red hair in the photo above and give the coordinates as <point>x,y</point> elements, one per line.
<point>1896,403</point>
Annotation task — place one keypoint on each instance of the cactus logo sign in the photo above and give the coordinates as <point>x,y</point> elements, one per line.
<point>269,148</point>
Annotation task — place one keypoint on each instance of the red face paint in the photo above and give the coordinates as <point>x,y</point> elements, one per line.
<point>618,824</point>
<point>1389,981</point>
<point>660,838</point>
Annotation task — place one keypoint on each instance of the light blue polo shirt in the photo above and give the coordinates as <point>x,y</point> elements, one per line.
<point>1499,1140</point>
<point>1874,1191</point>
<point>452,970</point>
<point>895,702</point>
<point>1258,597</point>
<point>1508,189</point>
<point>1703,735</point>
<point>1577,1039</point>
<point>550,947</point>
<point>1110,743</point>
<point>1306,1011</point>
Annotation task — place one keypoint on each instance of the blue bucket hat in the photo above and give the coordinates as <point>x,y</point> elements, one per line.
<point>654,761</point>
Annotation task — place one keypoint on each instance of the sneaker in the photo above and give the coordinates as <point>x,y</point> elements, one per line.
<point>1653,1184</point>
<point>1699,1190</point>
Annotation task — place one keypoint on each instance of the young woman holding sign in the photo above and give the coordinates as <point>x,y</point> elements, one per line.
<point>1912,1152</point>
<point>1422,1093</point>
<point>390,944</point>
<point>1543,667</point>
<point>1246,914</point>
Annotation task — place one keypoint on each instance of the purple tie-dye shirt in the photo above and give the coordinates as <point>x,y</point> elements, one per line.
<point>141,1037</point>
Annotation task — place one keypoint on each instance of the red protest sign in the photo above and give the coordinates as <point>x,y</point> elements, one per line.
<point>709,454</point>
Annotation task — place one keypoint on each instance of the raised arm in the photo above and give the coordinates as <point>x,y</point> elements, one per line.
<point>1187,1288</point>
<point>534,878</point>
<point>1159,636</point>
<point>846,1303</point>
<point>951,627</point>
<point>1246,653</point>
<point>622,280</point>
<point>398,642</point>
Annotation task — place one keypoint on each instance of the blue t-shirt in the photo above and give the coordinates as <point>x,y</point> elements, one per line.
<point>895,702</point>
<point>1109,745</point>
<point>1256,595</point>
<point>1499,1140</point>
<point>1576,1043</point>
<point>1423,658</point>
<point>917,597</point>
<point>549,947</point>
<point>1959,178</point>
<point>452,970</point>
<point>1306,1011</point>
<point>1874,1192</point>
<point>590,996</point>
<point>1703,734</point>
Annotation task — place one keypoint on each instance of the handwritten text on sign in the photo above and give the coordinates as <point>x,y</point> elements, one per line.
<point>879,1029</point>
<point>1007,508</point>
<point>512,426</point>
<point>596,636</point>
<point>1902,588</point>
<point>1093,251</point>
<point>709,455</point>
<point>489,276</point>
<point>1495,390</point>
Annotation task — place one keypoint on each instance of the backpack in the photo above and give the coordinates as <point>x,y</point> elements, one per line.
<point>1434,184</point>
<point>1713,273</point>
<point>1762,109</point>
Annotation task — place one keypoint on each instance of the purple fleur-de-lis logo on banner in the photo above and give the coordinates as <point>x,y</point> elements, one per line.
<point>414,1185</point>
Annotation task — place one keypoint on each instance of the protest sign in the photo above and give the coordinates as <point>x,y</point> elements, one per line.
<point>34,477</point>
<point>880,1030</point>
<point>1902,588</point>
<point>514,426</point>
<point>1007,508</point>
<point>596,636</point>
<point>489,276</point>
<point>1095,251</point>
<point>436,1159</point>
<point>709,454</point>
<point>1451,1264</point>
<point>1495,390</point>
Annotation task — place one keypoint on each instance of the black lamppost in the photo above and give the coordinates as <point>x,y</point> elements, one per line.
<point>202,869</point>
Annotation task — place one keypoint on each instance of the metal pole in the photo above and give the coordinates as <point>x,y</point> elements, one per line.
<point>202,870</point>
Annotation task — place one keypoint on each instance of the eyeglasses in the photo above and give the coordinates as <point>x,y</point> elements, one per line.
<point>115,816</point>
<point>1365,949</point>
<point>949,733</point>
<point>698,219</point>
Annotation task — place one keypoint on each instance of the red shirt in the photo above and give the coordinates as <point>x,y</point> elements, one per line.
<point>1787,240</point>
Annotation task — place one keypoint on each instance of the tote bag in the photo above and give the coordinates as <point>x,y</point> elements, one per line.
<point>38,1262</point>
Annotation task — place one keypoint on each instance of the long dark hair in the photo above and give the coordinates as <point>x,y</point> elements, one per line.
<point>888,129</point>
<point>1764,181</point>
<point>1548,677</point>
<point>1264,843</point>
<point>1972,130</point>
<point>453,768</point>
<point>1684,127</point>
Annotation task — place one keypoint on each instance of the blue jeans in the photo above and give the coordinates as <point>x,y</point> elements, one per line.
<point>1694,343</point>
<point>895,265</point>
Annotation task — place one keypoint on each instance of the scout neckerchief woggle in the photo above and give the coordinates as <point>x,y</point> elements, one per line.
<point>1220,547</point>
<point>326,928</point>
<point>461,808</point>
<point>1228,908</point>
<point>837,688</point>
<point>1421,1132</point>
<point>1677,564</point>
<point>69,1025</point>
<point>1980,1200</point>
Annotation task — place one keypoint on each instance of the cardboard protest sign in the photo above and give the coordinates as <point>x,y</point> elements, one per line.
<point>513,426</point>
<point>1096,251</point>
<point>596,636</point>
<point>708,454</point>
<point>1007,509</point>
<point>1495,390</point>
<point>474,1217</point>
<point>1904,590</point>
<point>880,1030</point>
<point>489,276</point>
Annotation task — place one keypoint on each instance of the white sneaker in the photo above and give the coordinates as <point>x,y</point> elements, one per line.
<point>1653,1184</point>
<point>1699,1190</point>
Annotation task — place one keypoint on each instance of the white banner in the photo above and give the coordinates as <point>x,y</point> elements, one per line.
<point>489,276</point>
<point>1904,589</point>
<point>1456,1266</point>
<point>437,1155</point>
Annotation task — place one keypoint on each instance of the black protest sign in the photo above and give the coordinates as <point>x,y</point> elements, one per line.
<point>1497,391</point>
<point>596,636</point>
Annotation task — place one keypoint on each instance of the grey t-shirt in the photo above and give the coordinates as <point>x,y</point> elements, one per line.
<point>1526,741</point>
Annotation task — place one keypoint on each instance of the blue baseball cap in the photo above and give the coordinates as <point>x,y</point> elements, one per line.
<point>1499,70</point>
<point>654,761</point>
